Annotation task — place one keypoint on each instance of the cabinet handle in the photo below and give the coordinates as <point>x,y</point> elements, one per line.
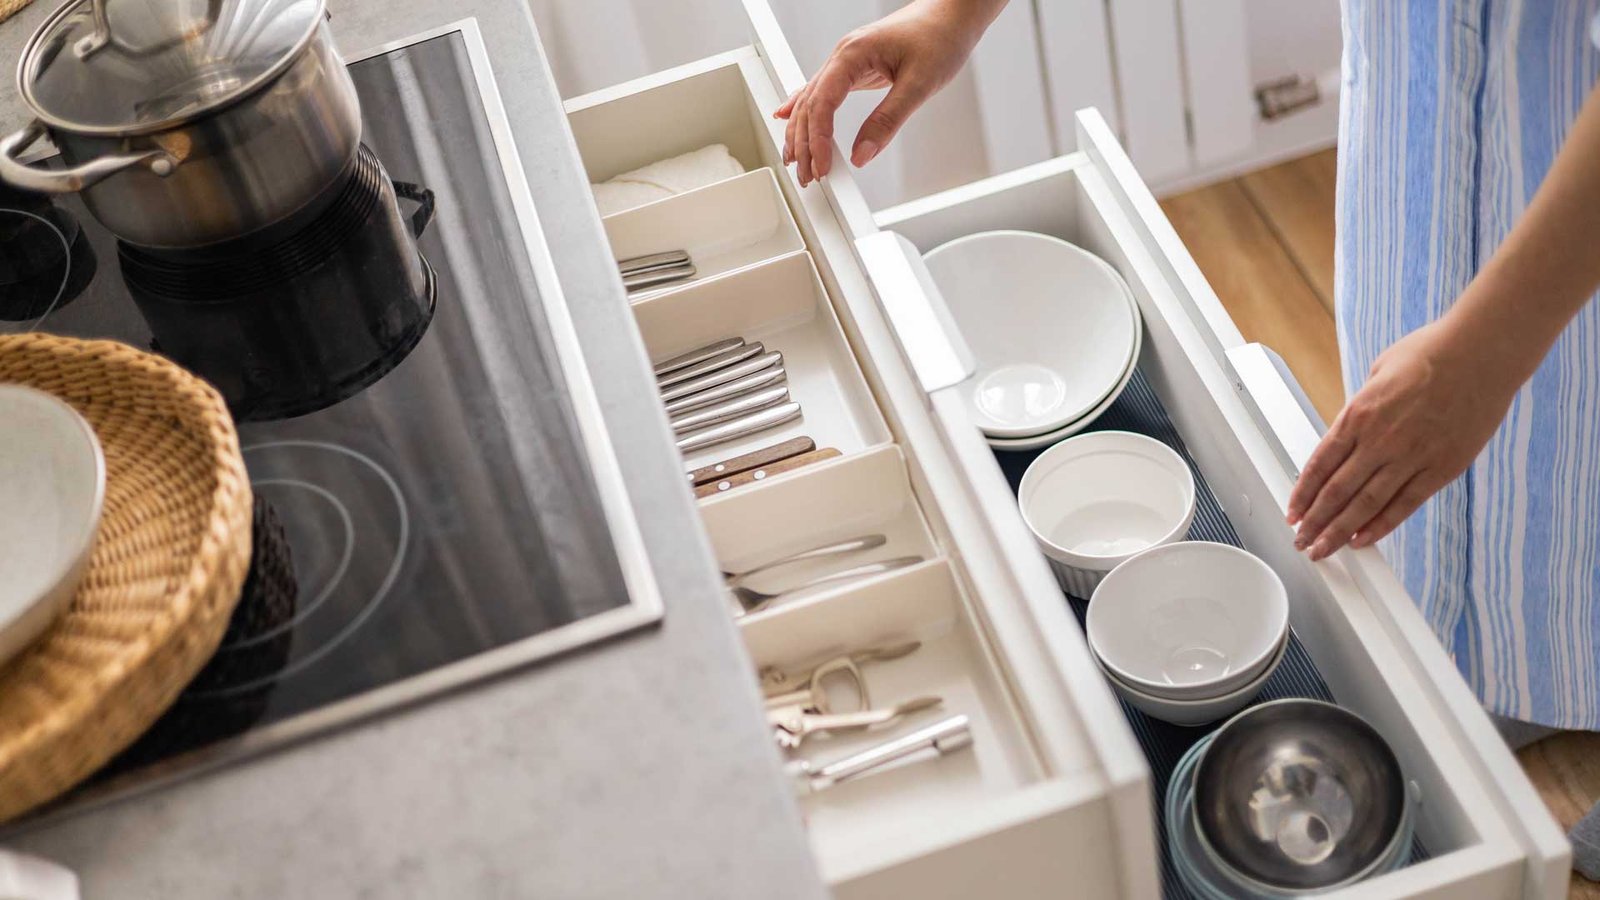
<point>916,310</point>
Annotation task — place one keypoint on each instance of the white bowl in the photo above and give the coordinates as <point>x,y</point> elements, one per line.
<point>1051,327</point>
<point>1096,500</point>
<point>1072,428</point>
<point>1195,712</point>
<point>1189,620</point>
<point>52,479</point>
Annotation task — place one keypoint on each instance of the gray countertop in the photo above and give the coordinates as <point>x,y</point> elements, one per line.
<point>639,768</point>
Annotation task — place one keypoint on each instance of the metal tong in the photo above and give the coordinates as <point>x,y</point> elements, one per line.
<point>801,712</point>
<point>939,739</point>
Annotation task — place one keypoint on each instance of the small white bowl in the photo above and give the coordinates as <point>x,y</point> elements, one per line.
<point>1195,712</point>
<point>1096,500</point>
<point>1188,621</point>
<point>1051,437</point>
<point>1051,327</point>
<point>52,479</point>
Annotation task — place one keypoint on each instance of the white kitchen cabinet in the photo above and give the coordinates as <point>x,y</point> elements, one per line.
<point>1055,798</point>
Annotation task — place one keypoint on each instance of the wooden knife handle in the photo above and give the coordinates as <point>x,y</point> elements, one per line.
<point>751,476</point>
<point>766,456</point>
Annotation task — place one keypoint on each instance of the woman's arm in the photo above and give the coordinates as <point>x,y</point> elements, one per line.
<point>914,52</point>
<point>1435,398</point>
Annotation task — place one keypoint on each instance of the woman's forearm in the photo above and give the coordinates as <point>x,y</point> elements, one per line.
<point>1549,265</point>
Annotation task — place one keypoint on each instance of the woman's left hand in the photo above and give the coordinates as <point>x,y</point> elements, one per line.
<point>1431,403</point>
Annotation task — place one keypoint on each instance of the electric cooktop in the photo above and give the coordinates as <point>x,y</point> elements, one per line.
<point>460,515</point>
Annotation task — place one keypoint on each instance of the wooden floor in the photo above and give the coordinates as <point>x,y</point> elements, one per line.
<point>1265,242</point>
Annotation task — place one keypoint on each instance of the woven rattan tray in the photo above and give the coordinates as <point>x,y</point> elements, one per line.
<point>9,8</point>
<point>169,559</point>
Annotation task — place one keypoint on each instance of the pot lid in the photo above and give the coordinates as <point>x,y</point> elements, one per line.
<point>113,67</point>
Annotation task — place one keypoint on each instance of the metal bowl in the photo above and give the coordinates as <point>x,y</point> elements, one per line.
<point>1299,795</point>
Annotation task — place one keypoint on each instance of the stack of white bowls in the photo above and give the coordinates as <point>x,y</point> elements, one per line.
<point>1053,329</point>
<point>1189,632</point>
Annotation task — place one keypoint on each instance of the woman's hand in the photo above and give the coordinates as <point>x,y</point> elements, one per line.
<point>914,52</point>
<point>1431,403</point>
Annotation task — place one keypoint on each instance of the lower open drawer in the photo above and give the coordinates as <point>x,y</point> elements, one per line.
<point>1057,796</point>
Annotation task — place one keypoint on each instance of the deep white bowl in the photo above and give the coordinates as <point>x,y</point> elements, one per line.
<point>1077,425</point>
<point>1195,712</point>
<point>1188,621</point>
<point>1051,326</point>
<point>1096,500</point>
<point>52,481</point>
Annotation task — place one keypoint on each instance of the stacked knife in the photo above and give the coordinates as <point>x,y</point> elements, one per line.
<point>724,391</point>
<point>656,270</point>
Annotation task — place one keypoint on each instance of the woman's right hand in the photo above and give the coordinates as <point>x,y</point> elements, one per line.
<point>914,52</point>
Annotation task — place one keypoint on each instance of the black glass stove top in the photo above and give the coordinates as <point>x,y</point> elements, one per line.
<point>450,509</point>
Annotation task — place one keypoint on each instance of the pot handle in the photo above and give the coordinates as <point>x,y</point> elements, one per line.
<point>72,178</point>
<point>423,197</point>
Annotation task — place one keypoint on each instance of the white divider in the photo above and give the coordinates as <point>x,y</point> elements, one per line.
<point>723,227</point>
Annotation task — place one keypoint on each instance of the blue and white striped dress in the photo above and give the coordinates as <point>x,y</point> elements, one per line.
<point>1453,112</point>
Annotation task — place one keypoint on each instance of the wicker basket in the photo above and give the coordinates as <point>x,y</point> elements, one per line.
<point>9,8</point>
<point>169,560</point>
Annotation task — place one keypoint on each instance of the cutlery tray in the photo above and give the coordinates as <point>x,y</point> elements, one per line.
<point>782,304</point>
<point>1139,410</point>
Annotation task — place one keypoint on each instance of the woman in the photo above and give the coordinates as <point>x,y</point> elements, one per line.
<point>1468,253</point>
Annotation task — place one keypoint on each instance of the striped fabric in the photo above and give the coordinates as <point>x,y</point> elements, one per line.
<point>1453,111</point>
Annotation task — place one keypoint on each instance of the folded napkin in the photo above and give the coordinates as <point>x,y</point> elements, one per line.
<point>25,877</point>
<point>666,178</point>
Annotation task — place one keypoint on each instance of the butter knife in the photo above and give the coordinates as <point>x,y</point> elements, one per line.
<point>698,354</point>
<point>730,409</point>
<point>665,260</point>
<point>722,376</point>
<point>735,388</point>
<point>638,281</point>
<point>733,429</point>
<point>720,361</point>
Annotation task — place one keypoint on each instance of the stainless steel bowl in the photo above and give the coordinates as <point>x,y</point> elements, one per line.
<point>1299,795</point>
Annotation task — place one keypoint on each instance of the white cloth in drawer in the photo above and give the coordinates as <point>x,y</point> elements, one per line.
<point>665,178</point>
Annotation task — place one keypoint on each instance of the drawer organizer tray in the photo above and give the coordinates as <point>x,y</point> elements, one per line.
<point>1140,410</point>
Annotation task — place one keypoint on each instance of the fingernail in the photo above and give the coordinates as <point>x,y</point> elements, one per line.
<point>1319,551</point>
<point>865,151</point>
<point>1300,542</point>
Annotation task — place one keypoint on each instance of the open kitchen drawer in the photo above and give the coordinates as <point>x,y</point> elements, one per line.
<point>1056,797</point>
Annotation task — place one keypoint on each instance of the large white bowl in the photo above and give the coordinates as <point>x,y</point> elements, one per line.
<point>1195,712</point>
<point>1072,428</point>
<point>1051,327</point>
<point>1188,621</point>
<point>1095,500</point>
<point>52,487</point>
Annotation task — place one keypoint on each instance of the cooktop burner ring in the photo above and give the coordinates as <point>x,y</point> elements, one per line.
<point>348,553</point>
<point>362,615</point>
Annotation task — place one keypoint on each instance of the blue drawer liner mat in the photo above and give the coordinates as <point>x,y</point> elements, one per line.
<point>1139,410</point>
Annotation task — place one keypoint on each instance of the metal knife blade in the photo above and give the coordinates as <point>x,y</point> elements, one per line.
<point>722,376</point>
<point>653,261</point>
<point>734,429</point>
<point>638,281</point>
<point>720,361</point>
<point>735,388</point>
<point>730,409</point>
<point>698,354</point>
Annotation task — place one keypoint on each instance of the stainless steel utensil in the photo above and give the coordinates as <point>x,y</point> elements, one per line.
<point>777,680</point>
<point>699,354</point>
<point>941,738</point>
<point>837,548</point>
<point>218,121</point>
<point>706,366</point>
<point>638,281</point>
<point>728,390</point>
<point>792,725</point>
<point>1299,795</point>
<point>667,260</point>
<point>730,409</point>
<point>722,376</point>
<point>733,429</point>
<point>751,600</point>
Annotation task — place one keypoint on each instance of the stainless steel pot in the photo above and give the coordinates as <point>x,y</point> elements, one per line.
<point>186,122</point>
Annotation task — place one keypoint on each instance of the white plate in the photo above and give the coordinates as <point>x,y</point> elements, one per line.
<point>52,479</point>
<point>1051,326</point>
